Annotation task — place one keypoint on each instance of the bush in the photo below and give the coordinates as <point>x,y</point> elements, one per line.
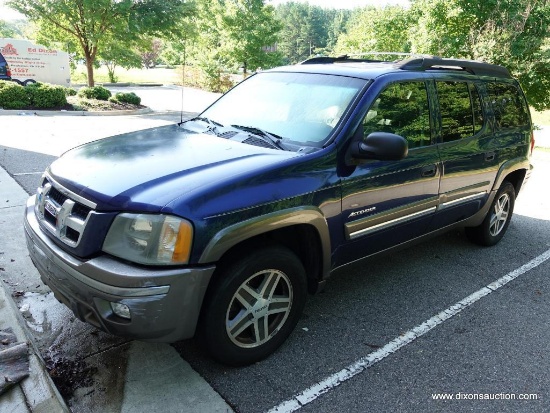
<point>96,92</point>
<point>69,91</point>
<point>12,95</point>
<point>131,98</point>
<point>44,95</point>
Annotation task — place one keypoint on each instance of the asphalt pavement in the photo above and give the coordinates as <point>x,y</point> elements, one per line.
<point>444,326</point>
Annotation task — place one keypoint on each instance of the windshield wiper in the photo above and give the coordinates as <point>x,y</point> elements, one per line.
<point>269,137</point>
<point>211,123</point>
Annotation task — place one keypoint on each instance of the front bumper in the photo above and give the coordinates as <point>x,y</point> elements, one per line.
<point>164,303</point>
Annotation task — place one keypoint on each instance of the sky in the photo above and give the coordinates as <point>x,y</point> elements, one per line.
<point>8,14</point>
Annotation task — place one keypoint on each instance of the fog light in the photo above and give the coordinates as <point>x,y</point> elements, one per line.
<point>121,310</point>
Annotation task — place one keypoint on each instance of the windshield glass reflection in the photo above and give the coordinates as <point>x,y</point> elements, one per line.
<point>300,107</point>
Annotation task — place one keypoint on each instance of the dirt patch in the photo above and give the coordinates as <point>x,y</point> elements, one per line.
<point>70,375</point>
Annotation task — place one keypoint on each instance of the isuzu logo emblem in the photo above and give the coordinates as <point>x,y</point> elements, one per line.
<point>50,208</point>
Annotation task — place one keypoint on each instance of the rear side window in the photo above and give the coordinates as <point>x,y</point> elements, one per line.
<point>508,105</point>
<point>402,109</point>
<point>460,108</point>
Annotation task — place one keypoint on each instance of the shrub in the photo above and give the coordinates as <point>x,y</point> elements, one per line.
<point>44,95</point>
<point>12,95</point>
<point>69,91</point>
<point>96,92</point>
<point>131,98</point>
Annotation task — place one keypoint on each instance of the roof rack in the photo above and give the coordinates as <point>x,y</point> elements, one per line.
<point>355,58</point>
<point>419,62</point>
<point>471,66</point>
<point>328,60</point>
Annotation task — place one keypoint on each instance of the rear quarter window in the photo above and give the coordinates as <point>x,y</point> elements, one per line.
<point>508,104</point>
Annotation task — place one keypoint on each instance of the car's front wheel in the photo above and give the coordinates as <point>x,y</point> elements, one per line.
<point>254,305</point>
<point>495,224</point>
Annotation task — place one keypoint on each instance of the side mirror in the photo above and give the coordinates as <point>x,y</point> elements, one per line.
<point>381,146</point>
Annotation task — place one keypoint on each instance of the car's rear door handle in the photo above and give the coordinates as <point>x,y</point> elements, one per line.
<point>489,156</point>
<point>429,170</point>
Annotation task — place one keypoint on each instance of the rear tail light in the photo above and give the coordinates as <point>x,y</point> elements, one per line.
<point>8,70</point>
<point>532,142</point>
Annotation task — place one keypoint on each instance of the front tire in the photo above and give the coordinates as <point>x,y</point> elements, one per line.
<point>495,224</point>
<point>254,305</point>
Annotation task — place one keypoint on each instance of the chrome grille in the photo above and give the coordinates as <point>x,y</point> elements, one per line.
<point>62,212</point>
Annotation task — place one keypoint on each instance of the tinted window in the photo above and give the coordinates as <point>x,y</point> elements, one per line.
<point>401,109</point>
<point>508,105</point>
<point>460,108</point>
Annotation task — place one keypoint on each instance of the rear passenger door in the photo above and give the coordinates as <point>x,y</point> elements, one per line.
<point>468,151</point>
<point>385,203</point>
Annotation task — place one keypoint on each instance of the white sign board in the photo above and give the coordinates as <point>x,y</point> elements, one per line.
<point>32,62</point>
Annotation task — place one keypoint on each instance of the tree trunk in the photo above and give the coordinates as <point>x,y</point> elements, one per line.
<point>90,71</point>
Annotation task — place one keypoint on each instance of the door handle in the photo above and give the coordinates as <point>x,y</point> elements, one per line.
<point>429,170</point>
<point>489,156</point>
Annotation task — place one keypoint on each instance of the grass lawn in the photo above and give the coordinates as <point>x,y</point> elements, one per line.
<point>156,75</point>
<point>541,118</point>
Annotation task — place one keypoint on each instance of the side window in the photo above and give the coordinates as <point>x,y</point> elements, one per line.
<point>508,105</point>
<point>460,107</point>
<point>401,109</point>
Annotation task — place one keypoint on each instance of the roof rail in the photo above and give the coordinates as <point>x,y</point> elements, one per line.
<point>356,58</point>
<point>328,59</point>
<point>472,66</point>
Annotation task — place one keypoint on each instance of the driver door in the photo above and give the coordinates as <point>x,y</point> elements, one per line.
<point>385,203</point>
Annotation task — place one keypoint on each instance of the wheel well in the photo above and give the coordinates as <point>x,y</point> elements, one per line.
<point>516,179</point>
<point>303,240</point>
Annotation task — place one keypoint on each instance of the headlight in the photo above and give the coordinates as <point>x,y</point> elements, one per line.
<point>150,239</point>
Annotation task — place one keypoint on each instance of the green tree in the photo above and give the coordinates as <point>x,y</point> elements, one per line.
<point>513,33</point>
<point>307,29</point>
<point>225,34</point>
<point>336,27</point>
<point>94,23</point>
<point>249,31</point>
<point>114,54</point>
<point>374,29</point>
<point>8,30</point>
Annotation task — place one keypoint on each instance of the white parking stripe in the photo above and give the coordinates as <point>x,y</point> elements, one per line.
<point>28,173</point>
<point>324,386</point>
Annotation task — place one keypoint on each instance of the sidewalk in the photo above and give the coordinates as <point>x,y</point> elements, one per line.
<point>36,393</point>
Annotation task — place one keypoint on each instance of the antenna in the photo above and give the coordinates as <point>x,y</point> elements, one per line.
<point>183,76</point>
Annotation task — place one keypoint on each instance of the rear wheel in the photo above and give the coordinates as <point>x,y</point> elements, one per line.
<point>495,224</point>
<point>254,306</point>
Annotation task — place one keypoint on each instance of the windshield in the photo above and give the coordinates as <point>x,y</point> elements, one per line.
<point>302,108</point>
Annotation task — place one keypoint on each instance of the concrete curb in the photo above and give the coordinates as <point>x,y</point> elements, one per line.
<point>75,112</point>
<point>37,392</point>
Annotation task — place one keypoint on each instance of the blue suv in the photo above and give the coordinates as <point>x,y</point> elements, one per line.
<point>222,224</point>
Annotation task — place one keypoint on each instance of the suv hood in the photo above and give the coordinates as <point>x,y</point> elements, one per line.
<point>147,169</point>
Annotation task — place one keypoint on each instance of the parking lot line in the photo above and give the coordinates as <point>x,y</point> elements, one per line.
<point>28,173</point>
<point>334,380</point>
